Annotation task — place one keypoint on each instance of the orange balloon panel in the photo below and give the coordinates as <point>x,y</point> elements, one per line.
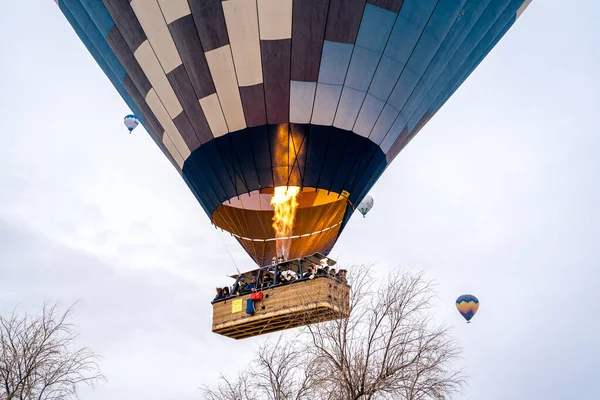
<point>316,224</point>
<point>263,252</point>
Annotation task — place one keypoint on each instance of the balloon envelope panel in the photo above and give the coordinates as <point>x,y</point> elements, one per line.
<point>245,95</point>
<point>317,224</point>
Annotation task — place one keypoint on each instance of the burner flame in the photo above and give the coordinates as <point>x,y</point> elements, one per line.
<point>285,203</point>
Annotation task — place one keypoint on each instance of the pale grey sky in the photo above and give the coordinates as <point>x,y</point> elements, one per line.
<point>498,196</point>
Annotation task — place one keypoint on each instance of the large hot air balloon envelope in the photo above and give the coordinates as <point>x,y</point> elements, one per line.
<point>467,305</point>
<point>243,96</point>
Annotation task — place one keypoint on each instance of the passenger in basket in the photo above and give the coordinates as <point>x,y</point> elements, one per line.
<point>332,273</point>
<point>267,280</point>
<point>342,276</point>
<point>238,287</point>
<point>225,293</point>
<point>323,269</point>
<point>219,294</point>
<point>289,275</point>
<point>251,287</point>
<point>310,274</point>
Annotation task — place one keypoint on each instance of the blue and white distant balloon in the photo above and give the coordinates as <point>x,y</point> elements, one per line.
<point>131,122</point>
<point>365,206</point>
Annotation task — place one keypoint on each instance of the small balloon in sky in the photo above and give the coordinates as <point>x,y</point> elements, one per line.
<point>365,206</point>
<point>467,305</point>
<point>131,122</point>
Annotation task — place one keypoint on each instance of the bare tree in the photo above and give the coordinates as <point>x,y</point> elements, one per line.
<point>388,348</point>
<point>39,359</point>
<point>231,389</point>
<point>281,371</point>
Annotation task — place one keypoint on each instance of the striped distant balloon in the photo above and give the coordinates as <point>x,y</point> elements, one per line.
<point>246,95</point>
<point>467,305</point>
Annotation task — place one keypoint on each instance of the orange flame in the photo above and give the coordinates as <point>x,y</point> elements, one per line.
<point>285,203</point>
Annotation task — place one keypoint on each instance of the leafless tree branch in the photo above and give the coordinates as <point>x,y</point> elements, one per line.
<point>37,360</point>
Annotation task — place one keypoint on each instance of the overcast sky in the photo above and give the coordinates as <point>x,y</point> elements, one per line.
<point>498,196</point>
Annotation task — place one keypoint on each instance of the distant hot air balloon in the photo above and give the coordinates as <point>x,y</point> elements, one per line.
<point>365,206</point>
<point>244,97</point>
<point>131,122</point>
<point>467,305</point>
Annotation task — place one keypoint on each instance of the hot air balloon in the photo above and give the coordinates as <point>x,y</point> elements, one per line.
<point>365,205</point>
<point>467,305</point>
<point>131,122</point>
<point>305,102</point>
<point>245,96</point>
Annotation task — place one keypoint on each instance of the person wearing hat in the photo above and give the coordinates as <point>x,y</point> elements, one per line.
<point>251,287</point>
<point>238,286</point>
